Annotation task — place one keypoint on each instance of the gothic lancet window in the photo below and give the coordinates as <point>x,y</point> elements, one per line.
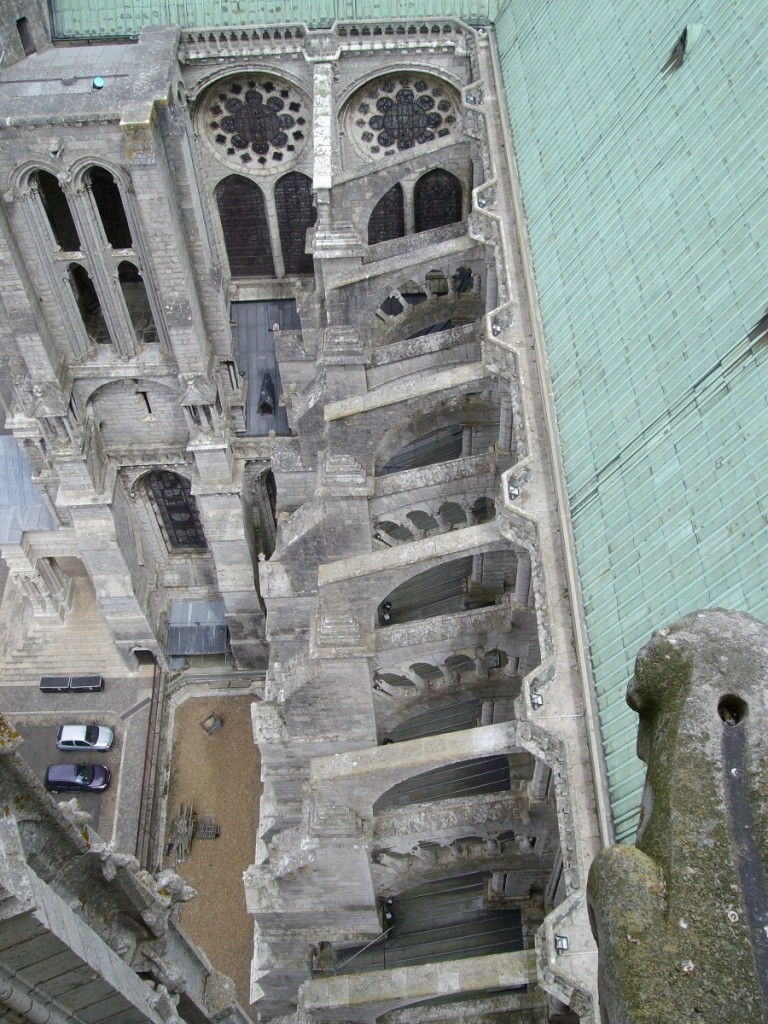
<point>177,508</point>
<point>109,203</point>
<point>244,223</point>
<point>437,200</point>
<point>57,211</point>
<point>88,304</point>
<point>137,302</point>
<point>295,214</point>
<point>388,218</point>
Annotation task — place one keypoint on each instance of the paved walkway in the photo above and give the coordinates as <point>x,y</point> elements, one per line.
<point>218,774</point>
<point>31,648</point>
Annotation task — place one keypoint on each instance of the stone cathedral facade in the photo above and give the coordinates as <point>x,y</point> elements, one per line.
<point>269,351</point>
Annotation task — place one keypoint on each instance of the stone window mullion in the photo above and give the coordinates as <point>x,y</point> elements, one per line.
<point>273,226</point>
<point>408,208</point>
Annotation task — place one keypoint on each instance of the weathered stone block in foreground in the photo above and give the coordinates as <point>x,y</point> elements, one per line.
<point>681,920</point>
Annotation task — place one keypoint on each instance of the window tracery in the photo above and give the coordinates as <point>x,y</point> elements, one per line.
<point>398,113</point>
<point>258,121</point>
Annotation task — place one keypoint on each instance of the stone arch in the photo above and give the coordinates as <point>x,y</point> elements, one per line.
<point>496,658</point>
<point>364,80</point>
<point>387,219</point>
<point>453,514</point>
<point>437,305</point>
<point>423,521</point>
<point>483,509</point>
<point>243,216</point>
<point>394,530</point>
<point>459,663</point>
<point>437,200</point>
<point>427,671</point>
<point>295,215</point>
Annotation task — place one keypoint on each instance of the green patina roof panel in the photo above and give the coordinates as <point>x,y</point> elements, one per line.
<point>646,203</point>
<point>79,19</point>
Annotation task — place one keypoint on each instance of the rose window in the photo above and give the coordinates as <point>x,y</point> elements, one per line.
<point>259,121</point>
<point>397,114</point>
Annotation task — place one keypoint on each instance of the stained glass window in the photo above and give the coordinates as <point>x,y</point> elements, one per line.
<point>244,223</point>
<point>437,200</point>
<point>295,214</point>
<point>177,509</point>
<point>387,219</point>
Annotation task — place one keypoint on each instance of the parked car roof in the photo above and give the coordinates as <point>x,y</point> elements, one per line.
<point>85,737</point>
<point>76,777</point>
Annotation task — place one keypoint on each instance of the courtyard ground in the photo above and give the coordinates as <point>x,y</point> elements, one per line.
<point>219,775</point>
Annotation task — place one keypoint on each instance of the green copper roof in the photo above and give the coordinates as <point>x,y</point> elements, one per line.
<point>645,197</point>
<point>83,19</point>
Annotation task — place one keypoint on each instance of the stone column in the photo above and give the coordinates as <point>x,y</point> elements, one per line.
<point>505,426</point>
<point>523,580</point>
<point>537,787</point>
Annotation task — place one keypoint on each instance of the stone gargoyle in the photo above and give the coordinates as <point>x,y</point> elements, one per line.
<point>681,919</point>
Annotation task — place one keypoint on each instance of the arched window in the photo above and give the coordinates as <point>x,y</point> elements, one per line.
<point>460,779</point>
<point>388,217</point>
<point>440,445</point>
<point>440,590</point>
<point>446,718</point>
<point>295,214</point>
<point>88,304</point>
<point>137,302</point>
<point>57,211</point>
<point>437,200</point>
<point>244,223</point>
<point>109,203</point>
<point>177,509</point>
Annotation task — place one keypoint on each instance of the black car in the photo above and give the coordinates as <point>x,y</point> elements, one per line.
<point>76,778</point>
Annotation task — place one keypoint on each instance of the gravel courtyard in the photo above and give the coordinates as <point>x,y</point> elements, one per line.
<point>219,775</point>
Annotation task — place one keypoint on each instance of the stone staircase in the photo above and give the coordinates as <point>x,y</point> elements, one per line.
<point>30,647</point>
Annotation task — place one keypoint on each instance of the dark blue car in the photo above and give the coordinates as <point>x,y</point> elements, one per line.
<point>76,778</point>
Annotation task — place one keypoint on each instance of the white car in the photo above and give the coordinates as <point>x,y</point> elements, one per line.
<point>85,737</point>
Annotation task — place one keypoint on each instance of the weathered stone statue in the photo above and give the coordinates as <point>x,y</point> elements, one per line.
<point>681,920</point>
